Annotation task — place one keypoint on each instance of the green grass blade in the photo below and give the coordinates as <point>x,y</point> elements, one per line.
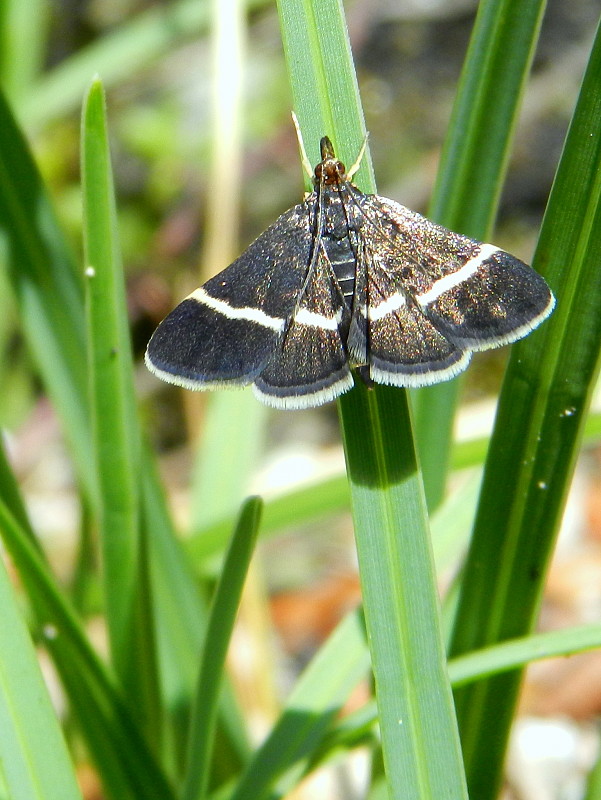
<point>11,494</point>
<point>177,629</point>
<point>128,769</point>
<point>181,615</point>
<point>419,737</point>
<point>181,611</point>
<point>421,749</point>
<point>34,760</point>
<point>357,728</point>
<point>470,177</point>
<point>47,289</point>
<point>328,497</point>
<point>476,151</point>
<point>324,86</point>
<point>23,31</point>
<point>539,426</point>
<point>304,737</point>
<point>354,729</point>
<point>288,751</point>
<point>522,651</point>
<point>219,631</point>
<point>593,789</point>
<point>116,430</point>
<point>233,432</point>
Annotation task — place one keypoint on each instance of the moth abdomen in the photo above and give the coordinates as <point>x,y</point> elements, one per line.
<point>343,260</point>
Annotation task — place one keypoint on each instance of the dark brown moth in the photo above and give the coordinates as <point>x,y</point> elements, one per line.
<point>343,281</point>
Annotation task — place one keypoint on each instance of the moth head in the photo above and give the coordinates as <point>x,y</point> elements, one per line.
<point>330,170</point>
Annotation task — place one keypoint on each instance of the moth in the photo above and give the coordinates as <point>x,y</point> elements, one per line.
<point>346,281</point>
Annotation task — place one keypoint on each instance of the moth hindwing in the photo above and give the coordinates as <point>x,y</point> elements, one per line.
<point>346,279</point>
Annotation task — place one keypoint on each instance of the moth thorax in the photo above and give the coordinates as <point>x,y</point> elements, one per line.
<point>329,172</point>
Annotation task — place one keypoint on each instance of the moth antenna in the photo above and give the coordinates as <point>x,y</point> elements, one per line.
<point>358,160</point>
<point>301,146</point>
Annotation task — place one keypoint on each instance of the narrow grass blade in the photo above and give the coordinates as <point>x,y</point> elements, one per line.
<point>11,494</point>
<point>15,375</point>
<point>178,629</point>
<point>470,177</point>
<point>301,740</point>
<point>519,652</point>
<point>128,769</point>
<point>181,614</point>
<point>34,758</point>
<point>231,439</point>
<point>232,423</point>
<point>358,727</point>
<point>352,730</point>
<point>50,301</point>
<point>477,148</point>
<point>540,422</point>
<point>115,425</point>
<point>324,85</point>
<point>328,497</point>
<point>219,631</point>
<point>47,289</point>
<point>419,736</point>
<point>23,31</point>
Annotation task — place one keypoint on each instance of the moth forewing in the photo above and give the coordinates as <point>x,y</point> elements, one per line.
<point>226,331</point>
<point>310,365</point>
<point>477,295</point>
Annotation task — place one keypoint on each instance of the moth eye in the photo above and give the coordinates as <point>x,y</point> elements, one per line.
<point>406,273</point>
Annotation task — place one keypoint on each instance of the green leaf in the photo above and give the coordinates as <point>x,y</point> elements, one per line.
<point>233,423</point>
<point>355,728</point>
<point>593,789</point>
<point>47,289</point>
<point>540,422</point>
<point>219,631</point>
<point>23,32</point>
<point>233,430</point>
<point>128,770</point>
<point>115,424</point>
<point>330,496</point>
<point>323,81</point>
<point>470,178</point>
<point>519,652</point>
<point>11,494</point>
<point>419,736</point>
<point>296,507</point>
<point>34,761</point>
